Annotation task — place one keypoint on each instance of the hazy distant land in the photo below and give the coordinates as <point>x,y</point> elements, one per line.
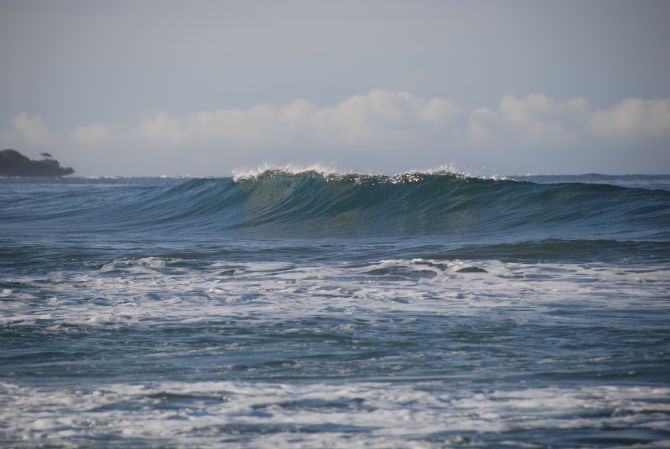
<point>13,163</point>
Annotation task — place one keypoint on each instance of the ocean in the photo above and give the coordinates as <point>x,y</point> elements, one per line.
<point>308,309</point>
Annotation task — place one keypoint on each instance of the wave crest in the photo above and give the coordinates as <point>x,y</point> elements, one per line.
<point>315,202</point>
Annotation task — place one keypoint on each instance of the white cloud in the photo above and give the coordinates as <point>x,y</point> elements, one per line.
<point>392,129</point>
<point>375,116</point>
<point>32,128</point>
<point>384,117</point>
<point>633,118</point>
<point>535,118</point>
<point>163,129</point>
<point>91,135</point>
<point>438,111</point>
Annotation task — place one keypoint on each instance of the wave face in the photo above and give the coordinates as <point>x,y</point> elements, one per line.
<point>439,203</point>
<point>313,205</point>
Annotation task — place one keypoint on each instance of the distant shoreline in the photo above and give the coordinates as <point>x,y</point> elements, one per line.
<point>13,163</point>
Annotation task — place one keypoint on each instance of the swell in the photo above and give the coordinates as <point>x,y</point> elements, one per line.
<point>314,205</point>
<point>26,257</point>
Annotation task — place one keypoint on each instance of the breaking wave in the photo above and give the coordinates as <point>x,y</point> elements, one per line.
<point>313,204</point>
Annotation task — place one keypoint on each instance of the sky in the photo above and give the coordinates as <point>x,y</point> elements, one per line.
<point>205,88</point>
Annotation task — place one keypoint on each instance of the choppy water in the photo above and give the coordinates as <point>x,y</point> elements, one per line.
<point>312,310</point>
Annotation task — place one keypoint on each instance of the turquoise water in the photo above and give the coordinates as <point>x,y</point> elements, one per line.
<point>315,310</point>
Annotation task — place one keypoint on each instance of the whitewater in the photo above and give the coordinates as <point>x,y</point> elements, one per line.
<point>303,308</point>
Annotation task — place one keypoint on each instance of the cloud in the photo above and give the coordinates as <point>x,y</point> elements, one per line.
<point>91,135</point>
<point>32,129</point>
<point>385,117</point>
<point>376,116</point>
<point>377,129</point>
<point>163,129</point>
<point>261,123</point>
<point>438,111</point>
<point>533,119</point>
<point>633,118</point>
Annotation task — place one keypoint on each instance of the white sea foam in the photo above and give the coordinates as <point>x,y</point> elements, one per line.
<point>125,290</point>
<point>152,291</point>
<point>453,170</point>
<point>281,415</point>
<point>251,173</point>
<point>330,171</point>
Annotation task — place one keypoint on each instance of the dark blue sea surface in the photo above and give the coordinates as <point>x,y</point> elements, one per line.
<point>306,309</point>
